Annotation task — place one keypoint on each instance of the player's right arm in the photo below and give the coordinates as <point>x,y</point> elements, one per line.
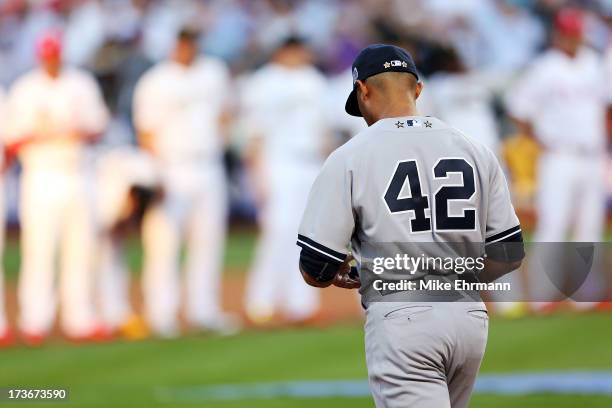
<point>326,228</point>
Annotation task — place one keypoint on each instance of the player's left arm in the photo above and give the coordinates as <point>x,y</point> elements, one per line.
<point>327,227</point>
<point>502,258</point>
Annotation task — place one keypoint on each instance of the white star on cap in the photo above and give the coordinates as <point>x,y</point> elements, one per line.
<point>387,65</point>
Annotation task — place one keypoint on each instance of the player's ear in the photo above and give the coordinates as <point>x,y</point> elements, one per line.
<point>418,89</point>
<point>362,89</point>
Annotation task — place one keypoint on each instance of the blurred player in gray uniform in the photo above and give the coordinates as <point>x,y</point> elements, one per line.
<point>415,182</point>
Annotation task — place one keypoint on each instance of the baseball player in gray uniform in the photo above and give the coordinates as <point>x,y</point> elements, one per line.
<point>417,183</point>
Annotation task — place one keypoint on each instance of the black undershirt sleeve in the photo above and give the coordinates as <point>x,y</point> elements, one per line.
<point>320,268</point>
<point>508,249</point>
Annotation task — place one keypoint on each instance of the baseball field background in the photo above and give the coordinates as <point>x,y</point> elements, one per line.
<point>562,360</point>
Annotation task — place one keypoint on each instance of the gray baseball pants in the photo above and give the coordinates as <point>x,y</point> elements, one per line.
<point>424,355</point>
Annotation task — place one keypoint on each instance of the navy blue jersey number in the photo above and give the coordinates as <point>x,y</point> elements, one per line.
<point>418,203</point>
<point>466,221</point>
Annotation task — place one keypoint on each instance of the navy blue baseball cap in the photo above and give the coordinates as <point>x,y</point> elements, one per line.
<point>376,59</point>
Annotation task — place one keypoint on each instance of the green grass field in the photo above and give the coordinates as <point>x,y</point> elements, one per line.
<point>135,374</point>
<point>239,251</point>
<point>156,373</point>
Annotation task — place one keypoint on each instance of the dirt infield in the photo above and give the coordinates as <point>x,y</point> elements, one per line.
<point>338,305</point>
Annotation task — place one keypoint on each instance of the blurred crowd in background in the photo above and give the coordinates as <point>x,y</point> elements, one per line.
<point>471,54</point>
<point>118,40</point>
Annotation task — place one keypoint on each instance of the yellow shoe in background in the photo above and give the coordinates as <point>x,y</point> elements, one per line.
<point>134,328</point>
<point>511,310</point>
<point>261,317</point>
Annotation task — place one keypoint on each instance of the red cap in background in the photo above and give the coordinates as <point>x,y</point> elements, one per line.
<point>49,45</point>
<point>570,21</point>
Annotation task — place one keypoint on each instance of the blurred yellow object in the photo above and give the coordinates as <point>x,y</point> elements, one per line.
<point>261,316</point>
<point>521,155</point>
<point>511,310</point>
<point>134,328</point>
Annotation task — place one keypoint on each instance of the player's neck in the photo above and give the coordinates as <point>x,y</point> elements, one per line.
<point>396,110</point>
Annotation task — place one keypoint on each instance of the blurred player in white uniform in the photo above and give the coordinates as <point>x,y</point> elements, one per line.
<point>463,99</point>
<point>561,102</point>
<point>284,103</point>
<point>6,336</point>
<point>53,112</point>
<point>609,90</point>
<point>127,185</point>
<point>178,109</point>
